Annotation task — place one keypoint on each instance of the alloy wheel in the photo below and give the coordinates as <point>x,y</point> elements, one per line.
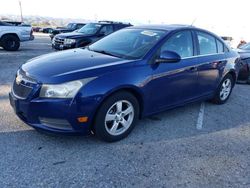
<point>119,117</point>
<point>225,89</point>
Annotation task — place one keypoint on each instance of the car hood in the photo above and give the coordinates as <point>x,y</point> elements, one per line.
<point>72,35</point>
<point>71,65</point>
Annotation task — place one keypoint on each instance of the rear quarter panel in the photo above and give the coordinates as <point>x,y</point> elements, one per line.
<point>232,65</point>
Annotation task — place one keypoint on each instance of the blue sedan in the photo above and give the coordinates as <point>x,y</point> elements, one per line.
<point>105,88</point>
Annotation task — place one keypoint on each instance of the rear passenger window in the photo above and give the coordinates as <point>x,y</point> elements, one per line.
<point>181,43</point>
<point>207,44</point>
<point>80,26</point>
<point>220,46</point>
<point>107,29</point>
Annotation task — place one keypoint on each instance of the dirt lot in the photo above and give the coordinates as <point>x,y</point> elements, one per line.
<point>192,146</point>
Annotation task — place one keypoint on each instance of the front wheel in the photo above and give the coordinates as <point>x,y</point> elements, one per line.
<point>116,117</point>
<point>224,91</point>
<point>10,43</point>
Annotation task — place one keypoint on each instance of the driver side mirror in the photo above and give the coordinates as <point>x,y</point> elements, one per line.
<point>168,57</point>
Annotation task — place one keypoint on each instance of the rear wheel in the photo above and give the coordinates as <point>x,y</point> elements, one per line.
<point>116,117</point>
<point>10,43</point>
<point>248,81</point>
<point>224,91</point>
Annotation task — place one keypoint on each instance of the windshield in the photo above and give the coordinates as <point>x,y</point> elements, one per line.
<point>128,43</point>
<point>90,28</point>
<point>245,46</point>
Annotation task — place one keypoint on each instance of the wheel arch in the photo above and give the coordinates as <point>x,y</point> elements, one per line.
<point>10,34</point>
<point>233,74</point>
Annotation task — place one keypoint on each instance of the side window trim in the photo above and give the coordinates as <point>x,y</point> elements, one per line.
<point>195,43</point>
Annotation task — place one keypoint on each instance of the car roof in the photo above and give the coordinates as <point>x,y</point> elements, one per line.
<point>111,22</point>
<point>76,23</point>
<point>164,27</point>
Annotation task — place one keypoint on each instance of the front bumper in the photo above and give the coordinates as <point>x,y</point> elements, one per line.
<point>52,115</point>
<point>62,47</point>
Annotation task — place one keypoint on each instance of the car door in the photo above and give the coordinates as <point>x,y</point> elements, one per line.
<point>211,62</point>
<point>175,83</point>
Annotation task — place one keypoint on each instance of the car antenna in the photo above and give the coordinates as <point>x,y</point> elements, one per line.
<point>192,24</point>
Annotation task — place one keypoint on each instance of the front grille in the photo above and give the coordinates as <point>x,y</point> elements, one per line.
<point>21,91</point>
<point>23,85</point>
<point>59,41</point>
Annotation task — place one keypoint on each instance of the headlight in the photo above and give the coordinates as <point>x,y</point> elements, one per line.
<point>65,90</point>
<point>53,40</point>
<point>69,41</point>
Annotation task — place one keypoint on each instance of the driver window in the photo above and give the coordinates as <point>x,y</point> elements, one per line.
<point>180,43</point>
<point>107,29</point>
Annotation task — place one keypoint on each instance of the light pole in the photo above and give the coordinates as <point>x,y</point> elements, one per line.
<point>21,11</point>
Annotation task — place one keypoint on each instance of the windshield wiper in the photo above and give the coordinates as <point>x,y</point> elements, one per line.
<point>105,52</point>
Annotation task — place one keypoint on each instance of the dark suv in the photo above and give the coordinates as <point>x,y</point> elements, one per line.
<point>69,28</point>
<point>88,34</point>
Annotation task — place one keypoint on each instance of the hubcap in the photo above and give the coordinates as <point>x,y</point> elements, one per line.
<point>225,89</point>
<point>119,117</point>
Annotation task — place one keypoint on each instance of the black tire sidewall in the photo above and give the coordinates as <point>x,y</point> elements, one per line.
<point>8,38</point>
<point>248,79</point>
<point>99,125</point>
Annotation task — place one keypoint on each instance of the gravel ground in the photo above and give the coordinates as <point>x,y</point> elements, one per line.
<point>166,150</point>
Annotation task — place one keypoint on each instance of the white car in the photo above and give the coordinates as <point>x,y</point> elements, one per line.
<point>11,35</point>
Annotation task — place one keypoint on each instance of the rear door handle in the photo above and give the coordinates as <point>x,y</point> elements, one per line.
<point>192,69</point>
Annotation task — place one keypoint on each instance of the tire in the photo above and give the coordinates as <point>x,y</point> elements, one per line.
<point>224,90</point>
<point>10,43</point>
<point>248,79</point>
<point>116,117</point>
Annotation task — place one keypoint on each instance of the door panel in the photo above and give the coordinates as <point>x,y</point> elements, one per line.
<point>209,70</point>
<point>211,62</point>
<point>173,83</point>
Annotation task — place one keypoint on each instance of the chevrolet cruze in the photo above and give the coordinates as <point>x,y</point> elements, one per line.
<point>105,88</point>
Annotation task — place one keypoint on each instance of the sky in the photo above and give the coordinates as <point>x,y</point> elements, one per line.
<point>224,17</point>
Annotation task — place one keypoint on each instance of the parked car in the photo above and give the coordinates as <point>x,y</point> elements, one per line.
<point>88,34</point>
<point>46,30</point>
<point>36,29</point>
<point>11,35</point>
<point>135,72</point>
<point>70,28</point>
<point>244,74</point>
